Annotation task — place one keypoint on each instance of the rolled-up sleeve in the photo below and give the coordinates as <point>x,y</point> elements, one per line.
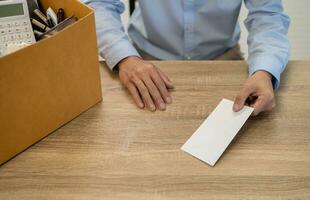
<point>113,43</point>
<point>268,43</point>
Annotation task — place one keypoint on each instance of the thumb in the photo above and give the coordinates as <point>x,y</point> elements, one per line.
<point>242,97</point>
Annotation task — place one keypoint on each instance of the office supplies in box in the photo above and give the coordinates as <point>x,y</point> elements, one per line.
<point>45,85</point>
<point>15,26</point>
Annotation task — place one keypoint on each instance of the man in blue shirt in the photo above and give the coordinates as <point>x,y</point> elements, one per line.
<point>193,30</point>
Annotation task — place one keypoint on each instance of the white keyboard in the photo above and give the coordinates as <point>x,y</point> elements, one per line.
<point>15,32</point>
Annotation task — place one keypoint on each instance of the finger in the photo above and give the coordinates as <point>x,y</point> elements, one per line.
<point>250,100</point>
<point>145,94</point>
<point>135,94</point>
<point>260,105</point>
<point>161,86</point>
<point>155,94</point>
<point>245,92</point>
<point>166,79</point>
<point>263,104</point>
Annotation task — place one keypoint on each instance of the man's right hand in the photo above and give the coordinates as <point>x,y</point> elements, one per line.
<point>146,83</point>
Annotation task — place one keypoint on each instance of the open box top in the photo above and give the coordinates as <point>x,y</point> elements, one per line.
<point>71,7</point>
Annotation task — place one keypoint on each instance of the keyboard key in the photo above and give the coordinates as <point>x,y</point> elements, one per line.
<point>10,31</point>
<point>3,32</point>
<point>28,35</point>
<point>12,37</point>
<point>17,30</point>
<point>5,38</point>
<point>26,29</point>
<point>19,36</point>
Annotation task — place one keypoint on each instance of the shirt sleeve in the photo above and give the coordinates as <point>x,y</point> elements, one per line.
<point>113,42</point>
<point>269,47</point>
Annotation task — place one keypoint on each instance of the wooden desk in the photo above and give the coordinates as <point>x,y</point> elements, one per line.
<point>116,151</point>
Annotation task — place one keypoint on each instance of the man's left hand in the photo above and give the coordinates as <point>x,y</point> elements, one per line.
<point>257,93</point>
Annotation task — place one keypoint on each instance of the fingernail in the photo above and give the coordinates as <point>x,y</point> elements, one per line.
<point>152,107</point>
<point>169,100</point>
<point>162,106</point>
<point>141,105</point>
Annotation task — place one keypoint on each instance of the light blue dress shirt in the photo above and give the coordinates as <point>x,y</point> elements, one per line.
<point>194,30</point>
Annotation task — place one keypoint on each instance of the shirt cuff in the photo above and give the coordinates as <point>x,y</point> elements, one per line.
<point>269,64</point>
<point>119,51</point>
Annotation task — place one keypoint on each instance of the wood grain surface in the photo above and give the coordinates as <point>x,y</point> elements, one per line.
<point>117,151</point>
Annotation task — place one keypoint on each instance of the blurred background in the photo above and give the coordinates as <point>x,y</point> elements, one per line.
<point>299,33</point>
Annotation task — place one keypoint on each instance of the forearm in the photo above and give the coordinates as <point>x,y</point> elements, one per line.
<point>268,43</point>
<point>113,42</point>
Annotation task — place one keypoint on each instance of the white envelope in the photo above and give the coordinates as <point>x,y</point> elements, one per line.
<point>211,139</point>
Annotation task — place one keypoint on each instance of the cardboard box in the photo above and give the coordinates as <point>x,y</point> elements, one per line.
<point>45,85</point>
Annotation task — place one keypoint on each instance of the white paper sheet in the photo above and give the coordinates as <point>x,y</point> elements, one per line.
<point>213,136</point>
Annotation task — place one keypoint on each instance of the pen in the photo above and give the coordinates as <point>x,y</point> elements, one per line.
<point>37,33</point>
<point>50,21</point>
<point>50,13</point>
<point>38,13</point>
<point>40,25</point>
<point>60,15</point>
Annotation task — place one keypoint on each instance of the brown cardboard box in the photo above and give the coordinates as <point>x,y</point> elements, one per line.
<point>45,85</point>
